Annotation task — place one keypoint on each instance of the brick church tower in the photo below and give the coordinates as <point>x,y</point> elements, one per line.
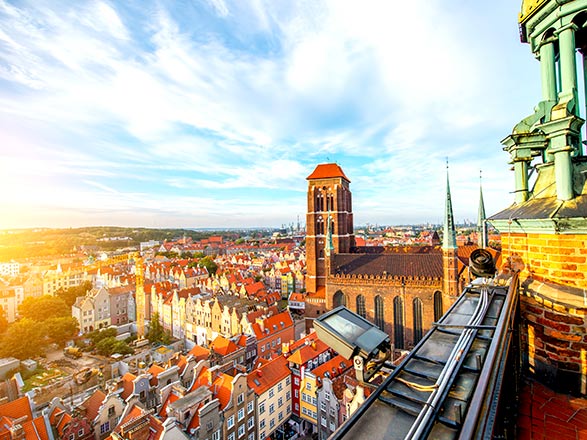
<point>544,233</point>
<point>328,195</point>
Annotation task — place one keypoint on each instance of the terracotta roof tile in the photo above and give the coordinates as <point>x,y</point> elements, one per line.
<point>199,353</point>
<point>223,346</point>
<point>17,408</point>
<point>308,352</point>
<point>326,171</point>
<point>127,385</point>
<point>334,367</point>
<point>92,404</point>
<point>407,265</point>
<point>268,375</point>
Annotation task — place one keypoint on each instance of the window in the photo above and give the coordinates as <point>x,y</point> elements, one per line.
<point>262,436</point>
<point>323,421</point>
<point>308,386</point>
<point>252,436</point>
<point>297,406</point>
<point>262,408</point>
<point>280,417</point>
<point>250,407</point>
<point>262,424</point>
<point>327,395</point>
<point>241,431</point>
<point>437,305</point>
<point>332,412</point>
<point>288,396</point>
<point>279,386</point>
<point>71,436</point>
<point>296,394</point>
<point>241,398</point>
<point>323,405</point>
<point>339,299</point>
<point>241,414</point>
<point>287,380</point>
<point>111,412</point>
<point>379,313</point>
<point>250,422</point>
<point>296,381</point>
<point>272,424</point>
<point>104,428</point>
<point>230,422</point>
<point>417,310</point>
<point>262,349</point>
<point>271,393</point>
<point>80,432</point>
<point>216,435</point>
<point>314,401</point>
<point>398,322</point>
<point>231,436</point>
<point>271,408</point>
<point>361,306</point>
<point>332,426</point>
<point>280,402</point>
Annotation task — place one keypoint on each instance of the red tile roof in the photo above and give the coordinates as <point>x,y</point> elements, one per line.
<point>92,404</point>
<point>308,352</point>
<point>17,408</point>
<point>333,367</point>
<point>127,385</point>
<point>223,346</point>
<point>268,375</point>
<point>199,353</point>
<point>326,171</point>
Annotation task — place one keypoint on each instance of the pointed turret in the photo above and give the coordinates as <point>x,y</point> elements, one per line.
<point>481,223</point>
<point>449,240</point>
<point>449,252</point>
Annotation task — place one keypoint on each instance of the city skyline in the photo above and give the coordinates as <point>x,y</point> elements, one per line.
<point>213,113</point>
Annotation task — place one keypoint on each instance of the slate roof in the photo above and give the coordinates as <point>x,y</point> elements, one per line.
<point>407,265</point>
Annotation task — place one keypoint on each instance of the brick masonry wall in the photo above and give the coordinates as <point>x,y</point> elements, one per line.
<point>561,259</point>
<point>553,334</point>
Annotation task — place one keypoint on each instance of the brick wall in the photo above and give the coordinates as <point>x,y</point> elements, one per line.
<point>560,259</point>
<point>553,333</point>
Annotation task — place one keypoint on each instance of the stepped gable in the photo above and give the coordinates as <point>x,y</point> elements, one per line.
<point>428,265</point>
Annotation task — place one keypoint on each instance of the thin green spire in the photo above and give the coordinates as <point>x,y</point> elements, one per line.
<point>481,224</point>
<point>449,239</point>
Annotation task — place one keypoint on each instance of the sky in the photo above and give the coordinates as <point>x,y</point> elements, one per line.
<point>212,113</point>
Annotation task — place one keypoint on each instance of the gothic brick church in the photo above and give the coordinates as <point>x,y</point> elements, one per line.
<point>403,290</point>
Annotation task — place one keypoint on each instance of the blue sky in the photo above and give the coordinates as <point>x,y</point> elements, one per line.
<point>211,113</point>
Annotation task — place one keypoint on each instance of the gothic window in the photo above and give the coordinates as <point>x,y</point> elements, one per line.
<point>437,306</point>
<point>398,322</point>
<point>339,299</point>
<point>417,309</point>
<point>319,226</point>
<point>379,313</point>
<point>361,306</point>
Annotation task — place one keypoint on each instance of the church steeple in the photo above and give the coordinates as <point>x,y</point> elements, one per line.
<point>449,239</point>
<point>450,262</point>
<point>481,223</point>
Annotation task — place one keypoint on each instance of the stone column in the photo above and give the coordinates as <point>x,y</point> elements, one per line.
<point>566,37</point>
<point>548,71</point>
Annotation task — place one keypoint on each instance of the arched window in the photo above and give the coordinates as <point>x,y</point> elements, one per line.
<point>417,309</point>
<point>361,306</point>
<point>379,312</point>
<point>398,322</point>
<point>319,226</point>
<point>339,299</point>
<point>437,306</point>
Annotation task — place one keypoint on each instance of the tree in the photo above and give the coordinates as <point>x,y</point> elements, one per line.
<point>157,333</point>
<point>209,264</point>
<point>69,295</point>
<point>60,330</point>
<point>3,321</point>
<point>44,307</point>
<point>110,345</point>
<point>97,335</point>
<point>22,340</point>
